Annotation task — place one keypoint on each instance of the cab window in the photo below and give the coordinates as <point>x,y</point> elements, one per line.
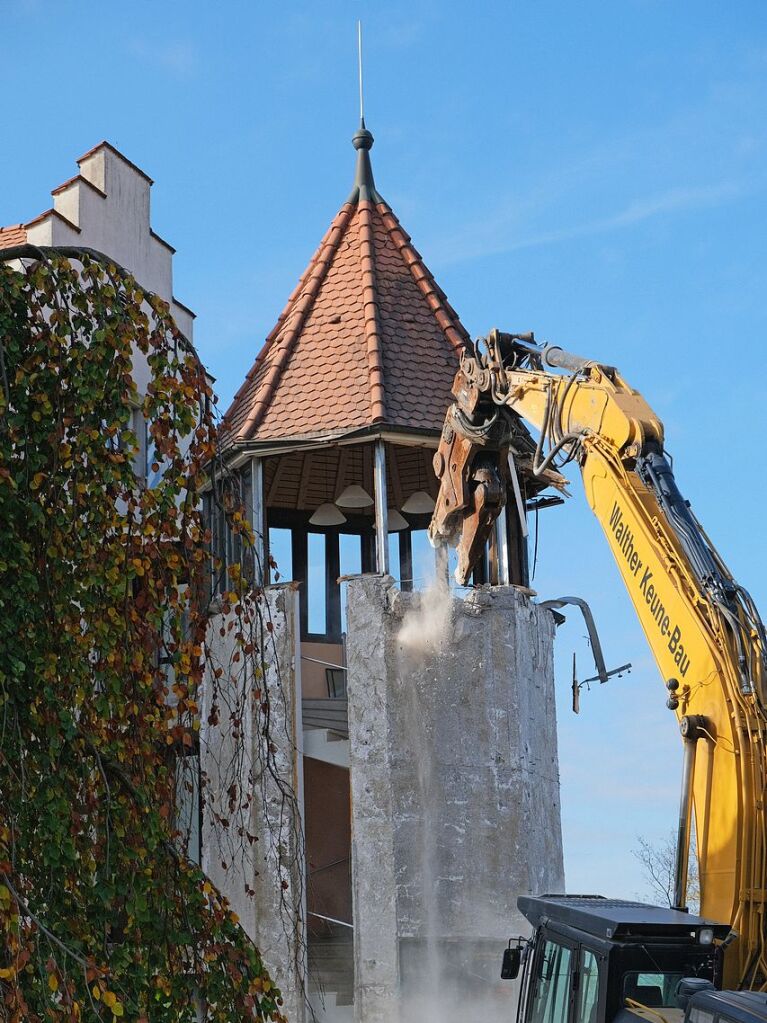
<point>653,990</point>
<point>702,1016</point>
<point>588,992</point>
<point>551,998</point>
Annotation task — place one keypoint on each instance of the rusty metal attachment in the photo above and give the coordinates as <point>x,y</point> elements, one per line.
<point>481,437</point>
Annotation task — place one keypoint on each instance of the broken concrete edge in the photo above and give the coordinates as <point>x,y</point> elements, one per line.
<point>494,591</point>
<point>473,602</point>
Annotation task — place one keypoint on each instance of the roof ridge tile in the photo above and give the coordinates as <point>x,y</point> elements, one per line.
<point>313,282</point>
<point>282,318</point>
<point>370,308</point>
<point>424,278</point>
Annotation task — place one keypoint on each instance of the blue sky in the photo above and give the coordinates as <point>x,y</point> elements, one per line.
<point>595,172</point>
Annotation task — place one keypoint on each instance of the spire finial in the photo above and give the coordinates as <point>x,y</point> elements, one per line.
<point>362,140</point>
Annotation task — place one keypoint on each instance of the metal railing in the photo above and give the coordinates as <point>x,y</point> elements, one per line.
<point>331,920</point>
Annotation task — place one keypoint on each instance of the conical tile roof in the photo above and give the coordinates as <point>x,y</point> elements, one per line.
<point>367,339</point>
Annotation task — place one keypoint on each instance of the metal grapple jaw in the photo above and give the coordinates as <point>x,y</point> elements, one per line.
<point>471,468</point>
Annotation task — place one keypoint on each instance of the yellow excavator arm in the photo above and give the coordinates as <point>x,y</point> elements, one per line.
<point>703,628</point>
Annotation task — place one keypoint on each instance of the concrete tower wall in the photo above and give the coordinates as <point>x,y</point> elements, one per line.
<point>262,876</point>
<point>455,785</point>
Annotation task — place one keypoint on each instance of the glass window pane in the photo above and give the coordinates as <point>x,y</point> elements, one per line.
<point>336,681</point>
<point>350,553</point>
<point>350,562</point>
<point>155,465</point>
<point>652,989</point>
<point>315,583</point>
<point>551,1000</point>
<point>219,545</point>
<point>232,501</point>
<point>588,995</point>
<point>281,553</point>
<point>701,1016</point>
<point>207,509</point>
<point>187,820</point>
<point>246,553</point>
<point>424,565</point>
<point>394,556</point>
<point>138,427</point>
<point>246,492</point>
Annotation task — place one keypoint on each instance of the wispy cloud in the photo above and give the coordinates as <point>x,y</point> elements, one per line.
<point>675,200</point>
<point>471,244</point>
<point>177,56</point>
<point>699,156</point>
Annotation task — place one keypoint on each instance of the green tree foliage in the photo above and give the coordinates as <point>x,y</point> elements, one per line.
<point>101,917</point>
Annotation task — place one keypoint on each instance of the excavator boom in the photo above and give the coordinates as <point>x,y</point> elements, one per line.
<point>703,628</point>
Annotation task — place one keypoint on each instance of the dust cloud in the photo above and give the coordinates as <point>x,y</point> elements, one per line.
<point>425,628</point>
<point>441,977</point>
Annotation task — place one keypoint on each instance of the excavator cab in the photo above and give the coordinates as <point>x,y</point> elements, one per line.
<point>595,960</point>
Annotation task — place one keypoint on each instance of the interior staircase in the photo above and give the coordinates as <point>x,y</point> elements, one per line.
<point>331,975</point>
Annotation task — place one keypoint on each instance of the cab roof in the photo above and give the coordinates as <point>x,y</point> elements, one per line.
<point>743,1006</point>
<point>613,918</point>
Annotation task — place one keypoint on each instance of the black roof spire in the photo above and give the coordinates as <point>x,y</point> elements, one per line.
<point>364,185</point>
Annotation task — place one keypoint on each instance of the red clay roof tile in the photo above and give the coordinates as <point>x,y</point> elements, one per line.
<point>11,236</point>
<point>366,338</point>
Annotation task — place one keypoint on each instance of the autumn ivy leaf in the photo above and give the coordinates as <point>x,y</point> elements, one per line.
<point>97,573</point>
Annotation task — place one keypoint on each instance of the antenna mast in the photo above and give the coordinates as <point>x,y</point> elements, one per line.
<point>359,64</point>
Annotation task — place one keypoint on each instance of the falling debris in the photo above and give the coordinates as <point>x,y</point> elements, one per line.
<point>426,626</point>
